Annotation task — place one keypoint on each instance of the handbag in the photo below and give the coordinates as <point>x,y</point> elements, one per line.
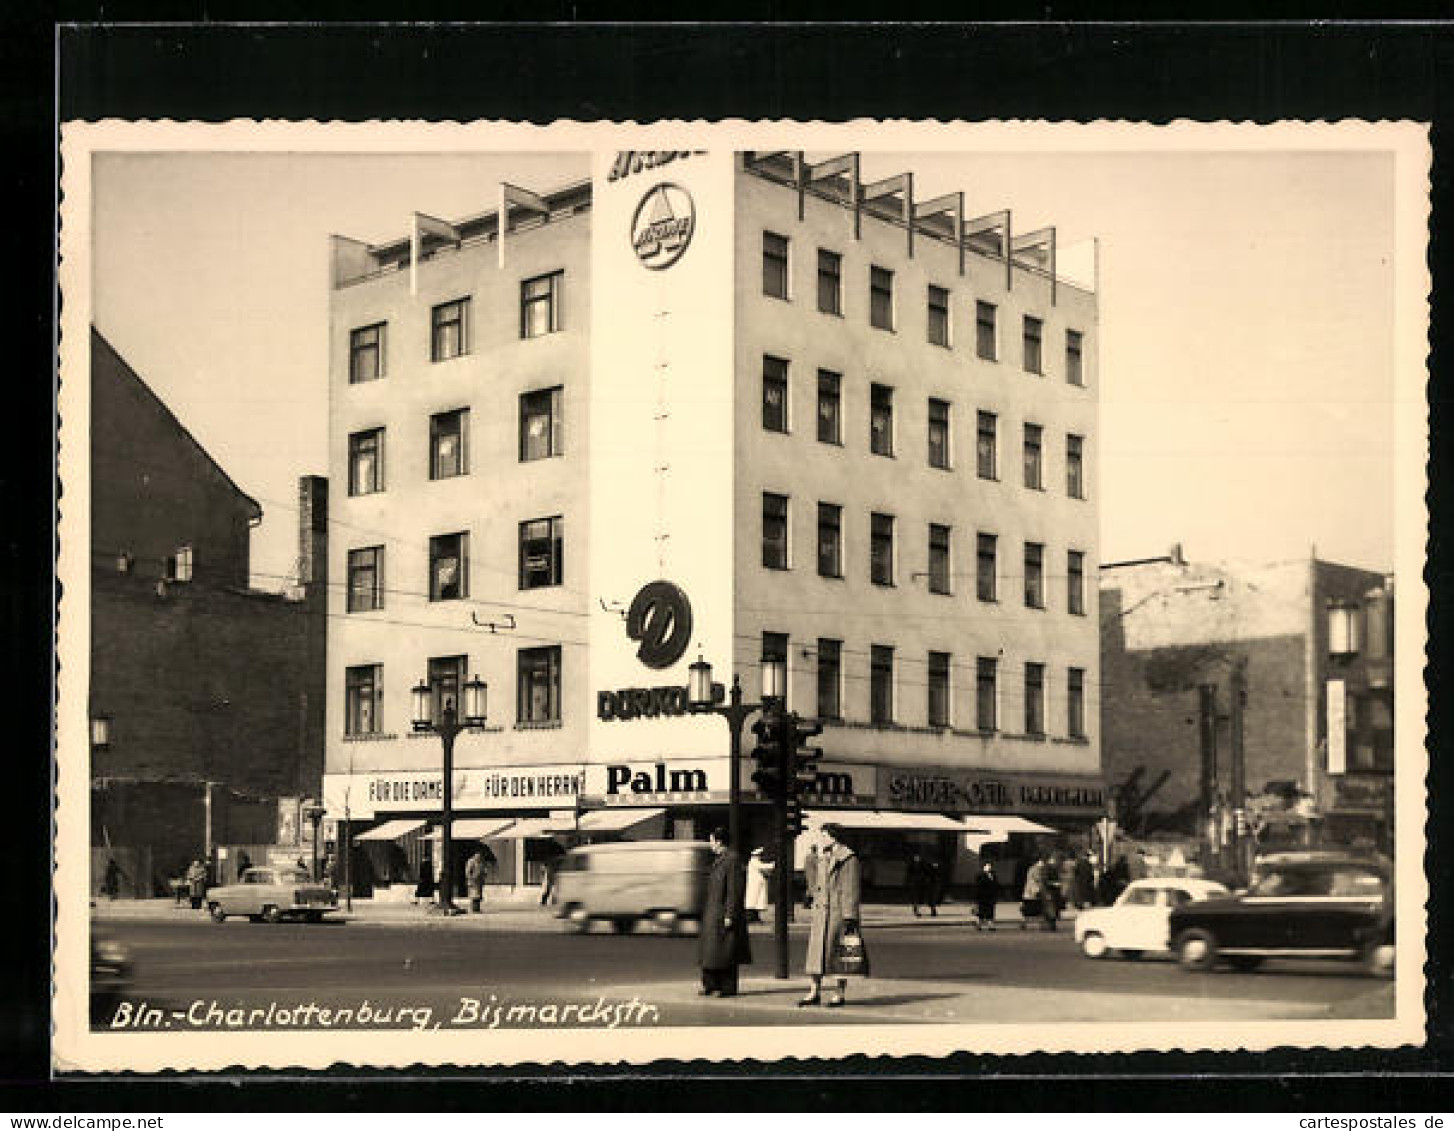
<point>849,956</point>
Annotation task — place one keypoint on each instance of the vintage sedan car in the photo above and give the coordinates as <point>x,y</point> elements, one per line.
<point>110,975</point>
<point>272,894</point>
<point>1301,905</point>
<point>1137,922</point>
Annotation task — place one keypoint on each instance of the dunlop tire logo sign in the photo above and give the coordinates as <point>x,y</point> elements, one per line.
<point>663,226</point>
<point>660,621</point>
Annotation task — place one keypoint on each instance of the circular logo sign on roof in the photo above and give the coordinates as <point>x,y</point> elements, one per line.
<point>663,225</point>
<point>660,620</point>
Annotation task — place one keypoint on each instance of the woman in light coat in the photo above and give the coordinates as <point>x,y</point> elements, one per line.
<point>758,870</point>
<point>835,894</point>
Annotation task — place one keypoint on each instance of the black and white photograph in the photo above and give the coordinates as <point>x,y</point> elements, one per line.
<point>534,595</point>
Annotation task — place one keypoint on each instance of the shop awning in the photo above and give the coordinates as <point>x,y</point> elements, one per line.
<point>390,830</point>
<point>537,827</point>
<point>614,820</point>
<point>870,821</point>
<point>474,828</point>
<point>1002,826</point>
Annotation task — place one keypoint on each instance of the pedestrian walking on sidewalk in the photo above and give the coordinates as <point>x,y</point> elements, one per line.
<point>111,884</point>
<point>1083,882</point>
<point>835,944</point>
<point>723,945</point>
<point>986,895</point>
<point>474,879</point>
<point>758,871</point>
<point>923,884</point>
<point>197,883</point>
<point>810,874</point>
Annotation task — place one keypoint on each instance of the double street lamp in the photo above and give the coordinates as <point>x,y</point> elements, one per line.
<point>448,726</point>
<point>701,700</point>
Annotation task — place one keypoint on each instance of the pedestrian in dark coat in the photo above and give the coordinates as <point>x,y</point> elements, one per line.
<point>111,884</point>
<point>722,945</point>
<point>197,882</point>
<point>474,878</point>
<point>1083,884</point>
<point>986,895</point>
<point>810,874</point>
<point>923,883</point>
<point>835,913</point>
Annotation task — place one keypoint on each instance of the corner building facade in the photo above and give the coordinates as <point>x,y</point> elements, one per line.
<point>855,429</point>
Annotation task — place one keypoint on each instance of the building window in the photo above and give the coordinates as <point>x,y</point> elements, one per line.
<point>939,434</point>
<point>938,316</point>
<point>449,330</point>
<point>1032,333</point>
<point>774,394</point>
<point>938,558</point>
<point>366,579</point>
<point>830,282</point>
<point>881,420</point>
<point>542,552</point>
<point>774,531</point>
<point>537,680</point>
<point>1035,699</point>
<point>1075,466</point>
<point>540,304</point>
<point>986,693</point>
<point>881,298</point>
<point>775,647</point>
<point>1074,357</point>
<point>985,554</point>
<point>985,335</point>
<point>1075,582</point>
<point>830,678</point>
<point>1034,575</point>
<point>540,424</point>
<point>447,435</point>
<point>1034,462</point>
<point>366,462</point>
<point>939,689</point>
<point>830,540</point>
<point>446,677</point>
<point>1075,702</point>
<point>449,567</point>
<point>774,265</point>
<point>881,685</point>
<point>881,550</point>
<point>366,353</point>
<point>830,407</point>
<point>179,565</point>
<point>986,446</point>
<point>363,699</point>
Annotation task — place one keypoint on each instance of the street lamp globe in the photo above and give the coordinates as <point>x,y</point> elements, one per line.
<point>774,679</point>
<point>699,684</point>
<point>423,714</point>
<point>476,699</point>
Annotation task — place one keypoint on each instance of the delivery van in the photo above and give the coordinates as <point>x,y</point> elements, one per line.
<point>663,882</point>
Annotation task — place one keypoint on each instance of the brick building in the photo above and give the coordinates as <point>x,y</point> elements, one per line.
<point>211,691</point>
<point>1310,641</point>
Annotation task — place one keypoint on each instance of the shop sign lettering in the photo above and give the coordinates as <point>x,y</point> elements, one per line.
<point>629,162</point>
<point>962,792</point>
<point>656,779</point>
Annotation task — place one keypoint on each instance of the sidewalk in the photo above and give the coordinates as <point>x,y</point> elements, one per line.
<point>500,914</point>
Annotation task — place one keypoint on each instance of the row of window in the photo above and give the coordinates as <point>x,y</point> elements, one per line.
<point>450,329</point>
<point>541,437</point>
<point>776,543</point>
<point>940,708</point>
<point>537,684</point>
<point>881,433</point>
<point>882,309</point>
<point>541,564</point>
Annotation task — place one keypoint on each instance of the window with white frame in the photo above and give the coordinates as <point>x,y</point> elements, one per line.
<point>774,531</point>
<point>774,265</point>
<point>363,699</point>
<point>939,689</point>
<point>774,394</point>
<point>542,552</point>
<point>540,300</point>
<point>448,436</point>
<point>881,684</point>
<point>366,579</point>
<point>537,680</point>
<point>449,330</point>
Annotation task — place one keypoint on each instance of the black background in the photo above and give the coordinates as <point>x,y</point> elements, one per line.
<point>1052,70</point>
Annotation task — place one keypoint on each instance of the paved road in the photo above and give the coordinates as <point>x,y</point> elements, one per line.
<point>197,974</point>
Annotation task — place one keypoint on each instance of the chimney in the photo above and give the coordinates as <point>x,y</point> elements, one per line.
<point>312,531</point>
<point>1176,557</point>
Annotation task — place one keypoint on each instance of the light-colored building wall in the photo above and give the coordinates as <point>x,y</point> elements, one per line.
<point>907,616</point>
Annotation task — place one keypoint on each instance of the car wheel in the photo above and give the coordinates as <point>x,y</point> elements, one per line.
<point>665,921</point>
<point>622,926</point>
<point>217,913</point>
<point>272,915</point>
<point>1196,950</point>
<point>1378,959</point>
<point>1131,954</point>
<point>314,916</point>
<point>576,917</point>
<point>1244,961</point>
<point>1093,945</point>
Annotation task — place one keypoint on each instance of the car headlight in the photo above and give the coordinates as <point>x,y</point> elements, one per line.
<point>112,953</point>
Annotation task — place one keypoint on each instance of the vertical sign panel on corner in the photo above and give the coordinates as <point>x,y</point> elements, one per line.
<point>661,435</point>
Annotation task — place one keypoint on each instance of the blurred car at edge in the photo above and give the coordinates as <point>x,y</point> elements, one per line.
<point>624,882</point>
<point>1137,923</point>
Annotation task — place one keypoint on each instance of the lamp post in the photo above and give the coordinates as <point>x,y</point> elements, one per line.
<point>313,814</point>
<point>702,700</point>
<point>448,726</point>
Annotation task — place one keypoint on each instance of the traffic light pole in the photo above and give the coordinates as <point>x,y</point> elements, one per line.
<point>787,747</point>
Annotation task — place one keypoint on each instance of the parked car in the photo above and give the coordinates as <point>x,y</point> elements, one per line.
<point>1137,923</point>
<point>110,976</point>
<point>272,894</point>
<point>622,883</point>
<point>1301,905</point>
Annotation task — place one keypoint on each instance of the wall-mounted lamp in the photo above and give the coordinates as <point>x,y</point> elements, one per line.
<point>100,732</point>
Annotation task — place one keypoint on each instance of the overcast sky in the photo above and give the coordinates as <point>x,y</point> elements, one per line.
<point>1246,337</point>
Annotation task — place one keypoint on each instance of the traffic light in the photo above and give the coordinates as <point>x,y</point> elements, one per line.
<point>805,758</point>
<point>768,777</point>
<point>795,817</point>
